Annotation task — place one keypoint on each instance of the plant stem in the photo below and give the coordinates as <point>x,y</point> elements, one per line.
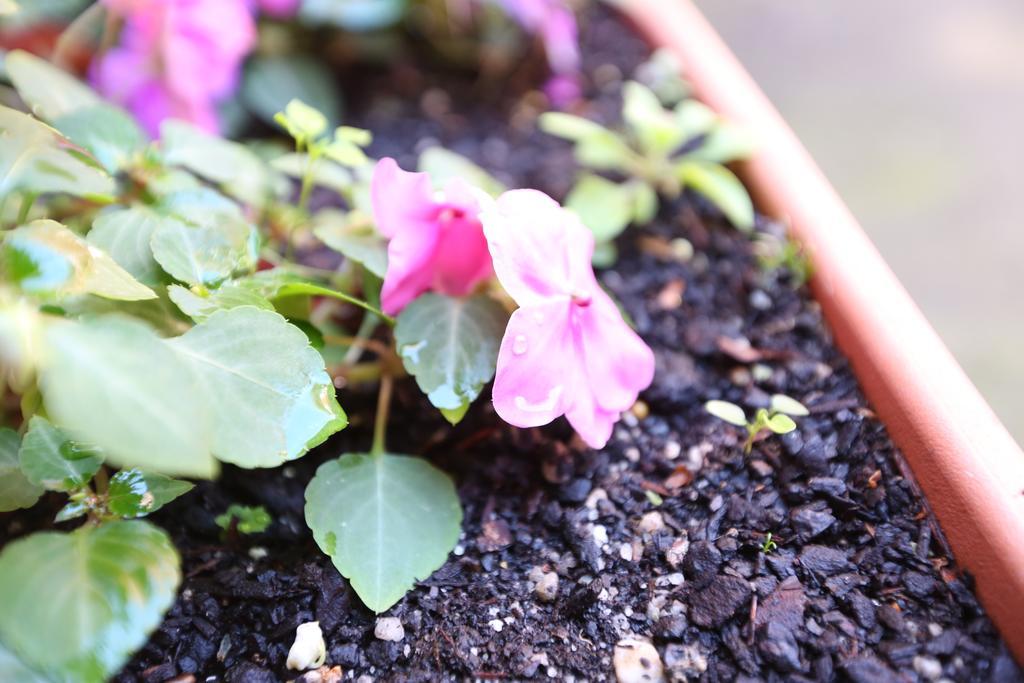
<point>380,421</point>
<point>27,200</point>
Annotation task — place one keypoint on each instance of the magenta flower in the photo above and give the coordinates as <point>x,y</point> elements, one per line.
<point>566,350</point>
<point>555,23</point>
<point>436,241</point>
<point>278,8</point>
<point>176,58</point>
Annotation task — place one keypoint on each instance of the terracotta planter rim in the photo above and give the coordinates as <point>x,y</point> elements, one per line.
<point>968,465</point>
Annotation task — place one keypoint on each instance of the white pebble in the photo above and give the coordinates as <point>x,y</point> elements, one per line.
<point>496,624</point>
<point>390,629</point>
<point>650,523</point>
<point>672,450</point>
<point>927,667</point>
<point>626,552</point>
<point>600,535</point>
<point>636,661</point>
<point>309,650</point>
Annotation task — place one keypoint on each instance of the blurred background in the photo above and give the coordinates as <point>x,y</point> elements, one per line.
<point>914,110</point>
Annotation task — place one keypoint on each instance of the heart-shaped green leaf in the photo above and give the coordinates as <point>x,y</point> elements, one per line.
<point>16,491</point>
<point>134,493</point>
<point>267,394</point>
<point>34,158</point>
<point>51,460</point>
<point>386,521</point>
<point>49,90</point>
<point>112,382</point>
<point>47,258</point>
<point>77,605</point>
<point>125,234</point>
<point>451,346</point>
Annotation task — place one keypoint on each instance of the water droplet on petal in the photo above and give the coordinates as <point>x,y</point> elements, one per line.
<point>545,406</point>
<point>519,345</point>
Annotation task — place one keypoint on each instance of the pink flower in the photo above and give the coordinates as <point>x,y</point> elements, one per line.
<point>278,8</point>
<point>555,23</point>
<point>176,58</point>
<point>436,241</point>
<point>566,350</point>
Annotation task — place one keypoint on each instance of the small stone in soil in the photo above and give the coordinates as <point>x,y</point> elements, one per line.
<point>636,661</point>
<point>811,520</point>
<point>702,563</point>
<point>819,558</point>
<point>714,605</point>
<point>777,644</point>
<point>389,629</point>
<point>867,669</point>
<point>676,552</point>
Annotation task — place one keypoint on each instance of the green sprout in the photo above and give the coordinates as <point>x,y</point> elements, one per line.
<point>247,519</point>
<point>769,544</point>
<point>776,418</point>
<point>660,152</point>
<point>308,127</point>
<point>775,252</point>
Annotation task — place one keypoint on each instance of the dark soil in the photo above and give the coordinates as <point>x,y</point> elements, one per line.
<point>861,585</point>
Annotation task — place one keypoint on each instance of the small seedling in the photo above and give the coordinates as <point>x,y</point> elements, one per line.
<point>769,544</point>
<point>776,418</point>
<point>775,252</point>
<point>250,519</point>
<point>660,152</point>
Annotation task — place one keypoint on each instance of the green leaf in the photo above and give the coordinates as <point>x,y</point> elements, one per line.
<point>645,202</point>
<point>451,346</point>
<point>303,122</point>
<point>51,460</point>
<point>230,164</point>
<point>134,493</point>
<point>353,235</point>
<point>268,397</point>
<point>781,423</point>
<point>272,82</point>
<point>48,258</point>
<point>723,144</point>
<point>228,295</point>
<point>109,133</point>
<point>386,521</point>
<point>694,118</point>
<point>12,668</point>
<point>16,491</point>
<point>781,403</point>
<point>344,151</point>
<point>570,126</point>
<point>78,605</point>
<point>205,240</point>
<point>655,128</point>
<point>444,165</point>
<point>730,412</point>
<point>605,255</point>
<point>354,15</point>
<point>722,188</point>
<point>125,234</point>
<point>34,158</point>
<point>251,519</point>
<point>50,91</point>
<point>604,206</point>
<point>112,382</point>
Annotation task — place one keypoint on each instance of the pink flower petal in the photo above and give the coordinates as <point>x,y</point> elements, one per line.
<point>538,370</point>
<point>567,350</point>
<point>537,247</point>
<point>619,365</point>
<point>436,241</point>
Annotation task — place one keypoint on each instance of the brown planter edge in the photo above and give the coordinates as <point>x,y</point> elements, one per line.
<point>968,465</point>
